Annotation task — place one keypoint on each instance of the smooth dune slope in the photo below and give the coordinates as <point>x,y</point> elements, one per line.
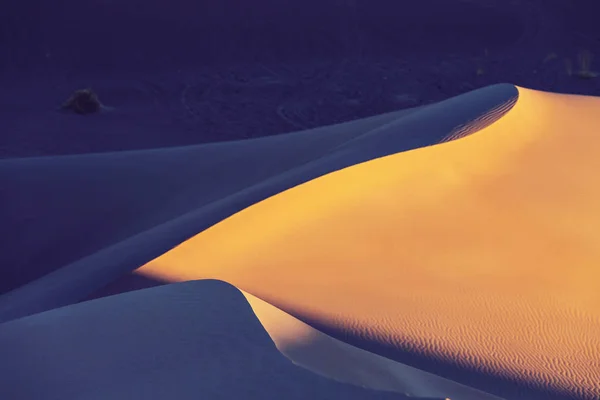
<point>182,341</point>
<point>476,259</point>
<point>72,224</point>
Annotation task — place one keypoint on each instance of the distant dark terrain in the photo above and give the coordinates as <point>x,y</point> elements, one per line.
<point>185,72</point>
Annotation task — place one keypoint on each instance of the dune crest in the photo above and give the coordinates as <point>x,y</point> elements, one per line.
<point>162,197</point>
<point>476,257</point>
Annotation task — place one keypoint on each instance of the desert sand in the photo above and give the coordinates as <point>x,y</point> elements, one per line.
<point>332,358</point>
<point>421,252</point>
<point>79,191</point>
<point>300,200</point>
<point>480,253</point>
<point>162,197</point>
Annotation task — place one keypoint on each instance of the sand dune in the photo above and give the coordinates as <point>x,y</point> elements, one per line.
<point>476,259</point>
<point>143,203</point>
<point>183,341</point>
<point>444,251</point>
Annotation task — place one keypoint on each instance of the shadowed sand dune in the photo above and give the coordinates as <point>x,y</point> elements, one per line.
<point>182,341</point>
<point>140,204</point>
<point>476,259</point>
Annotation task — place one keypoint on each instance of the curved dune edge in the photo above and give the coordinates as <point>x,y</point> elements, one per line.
<point>163,197</point>
<point>183,341</point>
<point>307,347</point>
<point>482,121</point>
<point>481,253</point>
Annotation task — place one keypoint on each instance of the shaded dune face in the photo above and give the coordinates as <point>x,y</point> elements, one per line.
<point>476,259</point>
<point>234,30</point>
<point>481,121</point>
<point>183,341</point>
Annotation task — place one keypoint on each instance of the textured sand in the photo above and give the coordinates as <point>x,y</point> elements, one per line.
<point>332,358</point>
<point>479,254</point>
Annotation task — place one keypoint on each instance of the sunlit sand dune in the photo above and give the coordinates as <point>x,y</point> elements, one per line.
<point>476,259</point>
<point>445,249</point>
<point>72,224</point>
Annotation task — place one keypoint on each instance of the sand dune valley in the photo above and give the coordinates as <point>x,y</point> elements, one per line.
<point>338,199</point>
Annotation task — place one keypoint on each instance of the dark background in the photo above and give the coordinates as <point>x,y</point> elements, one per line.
<point>194,71</point>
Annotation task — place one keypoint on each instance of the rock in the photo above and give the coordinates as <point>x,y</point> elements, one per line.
<point>83,101</point>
